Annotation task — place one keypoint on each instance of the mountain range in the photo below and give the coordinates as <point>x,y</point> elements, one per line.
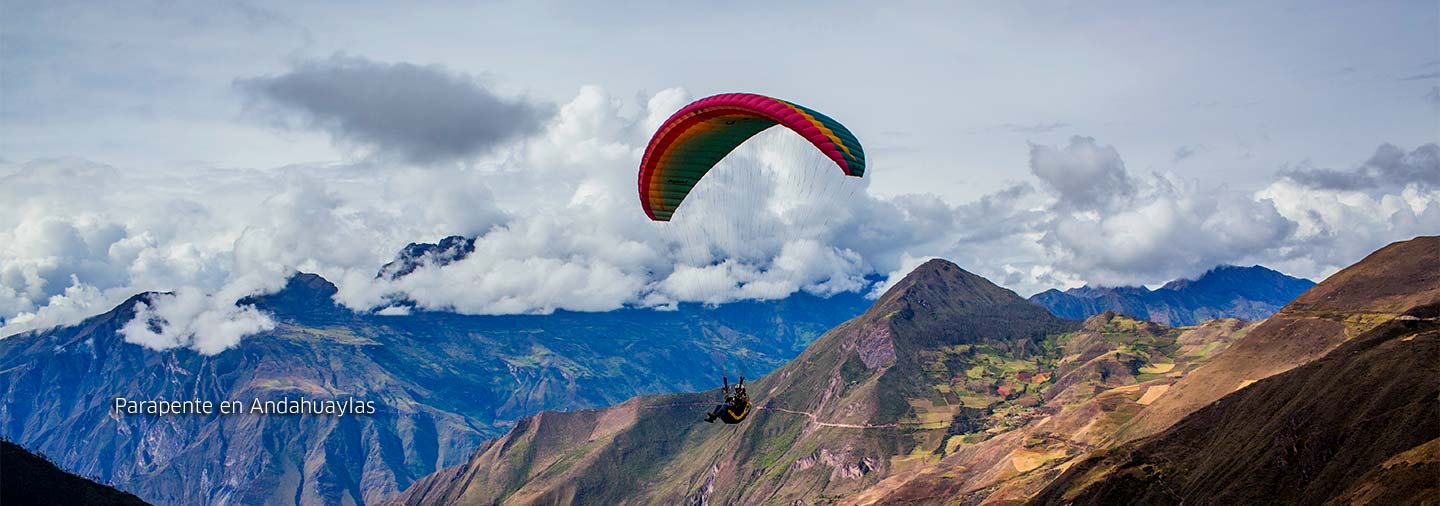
<point>951,390</point>
<point>442,384</point>
<point>946,386</point>
<point>943,364</point>
<point>1248,293</point>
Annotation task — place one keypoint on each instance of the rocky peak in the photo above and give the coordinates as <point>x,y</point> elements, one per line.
<point>416,255</point>
<point>941,304</point>
<point>938,283</point>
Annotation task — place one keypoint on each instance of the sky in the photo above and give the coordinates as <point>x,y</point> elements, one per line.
<point>210,150</point>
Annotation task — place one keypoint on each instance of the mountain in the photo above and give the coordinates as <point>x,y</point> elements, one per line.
<point>1248,293</point>
<point>27,478</point>
<point>441,383</point>
<point>1014,466</point>
<point>947,391</point>
<point>943,364</point>
<point>1356,425</point>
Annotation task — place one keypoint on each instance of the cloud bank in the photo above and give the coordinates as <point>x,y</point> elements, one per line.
<point>549,196</point>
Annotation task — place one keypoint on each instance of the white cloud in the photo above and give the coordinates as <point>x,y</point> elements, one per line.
<point>1337,227</point>
<point>1083,174</point>
<point>559,227</point>
<point>1124,228</point>
<point>394,311</point>
<point>207,323</point>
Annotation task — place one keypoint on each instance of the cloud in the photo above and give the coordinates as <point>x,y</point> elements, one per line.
<point>1167,229</point>
<point>417,113</point>
<point>1112,227</point>
<point>1084,175</point>
<point>1338,227</point>
<point>1390,167</point>
<point>557,227</point>
<point>206,323</point>
<point>76,302</point>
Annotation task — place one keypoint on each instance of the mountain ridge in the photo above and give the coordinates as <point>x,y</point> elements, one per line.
<point>1226,291</point>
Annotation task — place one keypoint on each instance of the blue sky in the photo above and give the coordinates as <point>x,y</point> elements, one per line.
<point>1219,129</point>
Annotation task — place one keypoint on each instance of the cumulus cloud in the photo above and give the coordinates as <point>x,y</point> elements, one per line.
<point>419,113</point>
<point>206,323</point>
<point>1112,227</point>
<point>1337,227</point>
<point>1083,174</point>
<point>556,226</point>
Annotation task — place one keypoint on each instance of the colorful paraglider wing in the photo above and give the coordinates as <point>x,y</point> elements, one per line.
<point>698,136</point>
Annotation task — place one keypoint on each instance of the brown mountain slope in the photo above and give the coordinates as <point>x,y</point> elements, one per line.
<point>948,384</point>
<point>1354,420</point>
<point>855,406</point>
<point>948,390</point>
<point>1389,282</point>
<point>1109,370</point>
<point>1412,477</point>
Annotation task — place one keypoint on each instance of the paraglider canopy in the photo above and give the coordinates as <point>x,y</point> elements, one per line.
<point>698,136</point>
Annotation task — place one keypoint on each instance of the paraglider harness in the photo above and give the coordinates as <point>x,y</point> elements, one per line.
<point>736,406</point>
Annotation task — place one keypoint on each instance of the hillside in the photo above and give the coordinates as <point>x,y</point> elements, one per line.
<point>1386,284</point>
<point>27,478</point>
<point>1248,293</point>
<point>1107,372</point>
<point>1333,399</point>
<point>1359,422</point>
<point>442,382</point>
<point>943,364</point>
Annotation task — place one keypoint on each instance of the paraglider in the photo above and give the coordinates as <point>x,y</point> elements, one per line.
<point>736,405</point>
<point>688,144</point>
